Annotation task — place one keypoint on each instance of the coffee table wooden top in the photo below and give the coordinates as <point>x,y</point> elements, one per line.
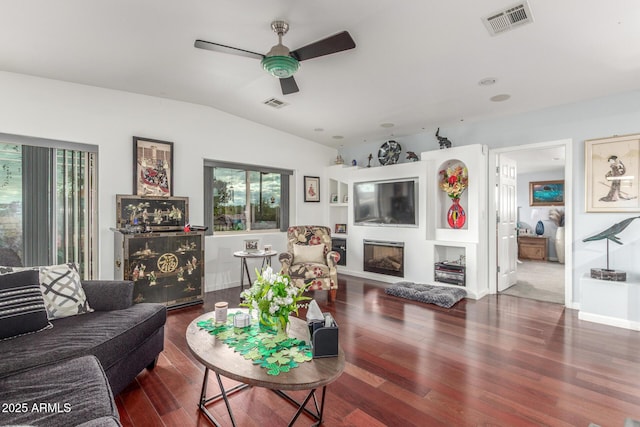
<point>219,357</point>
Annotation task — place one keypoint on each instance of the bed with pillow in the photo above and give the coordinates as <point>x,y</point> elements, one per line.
<point>48,315</point>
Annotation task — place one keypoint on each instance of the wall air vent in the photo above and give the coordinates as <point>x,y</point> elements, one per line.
<point>508,19</point>
<point>275,103</point>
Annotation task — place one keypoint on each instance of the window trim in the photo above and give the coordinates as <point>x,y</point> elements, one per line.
<point>285,200</point>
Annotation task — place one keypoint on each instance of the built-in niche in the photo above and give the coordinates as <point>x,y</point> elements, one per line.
<point>449,169</point>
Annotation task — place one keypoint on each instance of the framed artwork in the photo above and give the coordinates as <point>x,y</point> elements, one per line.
<point>155,213</point>
<point>546,193</point>
<point>334,198</point>
<point>341,228</point>
<point>152,167</point>
<point>311,189</point>
<point>251,245</point>
<point>612,166</point>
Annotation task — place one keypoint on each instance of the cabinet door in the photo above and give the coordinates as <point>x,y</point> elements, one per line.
<point>166,268</point>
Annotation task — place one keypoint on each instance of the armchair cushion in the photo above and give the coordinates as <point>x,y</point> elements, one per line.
<point>305,254</point>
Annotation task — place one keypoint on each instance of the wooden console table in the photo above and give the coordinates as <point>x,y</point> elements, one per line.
<point>532,247</point>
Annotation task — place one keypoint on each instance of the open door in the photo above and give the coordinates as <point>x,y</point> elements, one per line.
<point>507,238</point>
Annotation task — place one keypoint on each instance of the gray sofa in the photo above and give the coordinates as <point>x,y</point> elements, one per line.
<point>124,337</point>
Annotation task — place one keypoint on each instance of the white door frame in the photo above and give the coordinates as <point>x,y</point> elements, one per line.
<point>568,209</point>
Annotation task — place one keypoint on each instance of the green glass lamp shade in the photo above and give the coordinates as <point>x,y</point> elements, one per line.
<point>280,66</point>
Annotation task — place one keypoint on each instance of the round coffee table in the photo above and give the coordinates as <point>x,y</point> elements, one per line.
<point>218,357</point>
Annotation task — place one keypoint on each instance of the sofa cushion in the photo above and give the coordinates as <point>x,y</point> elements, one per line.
<point>22,308</point>
<point>61,288</point>
<point>68,393</point>
<point>109,335</point>
<point>308,254</point>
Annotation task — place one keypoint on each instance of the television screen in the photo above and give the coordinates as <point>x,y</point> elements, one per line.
<point>386,203</point>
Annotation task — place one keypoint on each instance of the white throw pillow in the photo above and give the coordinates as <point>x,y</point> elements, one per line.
<point>61,289</point>
<point>308,254</point>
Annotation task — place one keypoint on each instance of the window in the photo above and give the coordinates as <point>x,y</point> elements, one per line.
<point>47,202</point>
<point>241,198</point>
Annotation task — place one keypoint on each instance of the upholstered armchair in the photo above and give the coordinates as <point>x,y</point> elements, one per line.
<point>309,258</point>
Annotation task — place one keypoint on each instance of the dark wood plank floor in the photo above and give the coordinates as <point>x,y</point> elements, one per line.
<point>499,361</point>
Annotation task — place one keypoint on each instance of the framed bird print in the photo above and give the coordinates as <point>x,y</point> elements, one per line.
<point>612,169</point>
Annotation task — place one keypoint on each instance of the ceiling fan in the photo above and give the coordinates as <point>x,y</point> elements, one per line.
<point>282,63</point>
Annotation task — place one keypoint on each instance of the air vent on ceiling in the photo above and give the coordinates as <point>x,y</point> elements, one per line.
<point>509,18</point>
<point>275,103</point>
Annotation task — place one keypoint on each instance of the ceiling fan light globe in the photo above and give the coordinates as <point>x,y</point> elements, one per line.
<point>280,66</point>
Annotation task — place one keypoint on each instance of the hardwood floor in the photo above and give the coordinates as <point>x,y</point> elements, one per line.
<point>499,361</point>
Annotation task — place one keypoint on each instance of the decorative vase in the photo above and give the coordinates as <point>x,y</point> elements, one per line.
<point>456,216</point>
<point>278,324</point>
<point>559,244</point>
<point>539,228</point>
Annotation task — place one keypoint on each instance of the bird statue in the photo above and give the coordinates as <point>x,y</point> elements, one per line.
<point>412,157</point>
<point>610,233</point>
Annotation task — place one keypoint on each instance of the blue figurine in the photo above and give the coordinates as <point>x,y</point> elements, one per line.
<point>539,228</point>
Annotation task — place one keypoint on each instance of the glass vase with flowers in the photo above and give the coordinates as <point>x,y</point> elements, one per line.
<point>274,297</point>
<point>453,181</point>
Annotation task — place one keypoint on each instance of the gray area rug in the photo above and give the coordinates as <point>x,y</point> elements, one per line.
<point>442,296</point>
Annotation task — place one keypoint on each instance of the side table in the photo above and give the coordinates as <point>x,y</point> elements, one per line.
<point>244,269</point>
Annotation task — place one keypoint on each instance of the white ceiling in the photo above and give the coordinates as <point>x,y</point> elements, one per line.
<point>417,63</point>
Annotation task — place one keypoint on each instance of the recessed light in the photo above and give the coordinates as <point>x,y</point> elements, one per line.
<point>387,125</point>
<point>337,137</point>
<point>318,130</point>
<point>500,98</point>
<point>487,81</point>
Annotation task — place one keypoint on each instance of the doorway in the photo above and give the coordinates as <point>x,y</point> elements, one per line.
<point>533,162</point>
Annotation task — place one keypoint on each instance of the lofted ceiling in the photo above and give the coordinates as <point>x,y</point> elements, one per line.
<point>417,63</point>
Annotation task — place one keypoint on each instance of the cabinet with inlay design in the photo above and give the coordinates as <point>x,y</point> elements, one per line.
<point>165,267</point>
<point>532,247</point>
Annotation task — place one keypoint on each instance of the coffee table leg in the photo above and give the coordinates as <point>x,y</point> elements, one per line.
<point>223,394</point>
<point>302,405</point>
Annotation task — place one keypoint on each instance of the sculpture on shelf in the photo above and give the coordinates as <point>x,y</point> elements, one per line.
<point>370,158</point>
<point>443,141</point>
<point>412,157</point>
<point>610,234</point>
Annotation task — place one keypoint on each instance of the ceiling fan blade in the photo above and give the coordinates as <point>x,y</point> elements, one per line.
<point>217,47</point>
<point>288,86</point>
<point>327,46</point>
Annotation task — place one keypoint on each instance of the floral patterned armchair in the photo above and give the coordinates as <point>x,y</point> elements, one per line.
<point>309,258</point>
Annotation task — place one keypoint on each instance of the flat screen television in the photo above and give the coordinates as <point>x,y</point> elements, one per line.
<point>386,203</point>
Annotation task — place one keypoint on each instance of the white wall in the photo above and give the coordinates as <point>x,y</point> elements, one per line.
<point>599,118</point>
<point>109,119</point>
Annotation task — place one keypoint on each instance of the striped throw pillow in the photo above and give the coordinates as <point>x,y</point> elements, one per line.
<point>22,308</point>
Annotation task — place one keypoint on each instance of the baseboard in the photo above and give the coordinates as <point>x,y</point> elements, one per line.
<point>611,321</point>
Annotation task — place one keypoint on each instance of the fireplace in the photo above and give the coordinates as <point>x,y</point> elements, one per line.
<point>384,257</point>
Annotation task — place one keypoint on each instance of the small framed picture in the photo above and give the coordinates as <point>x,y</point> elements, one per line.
<point>251,245</point>
<point>311,189</point>
<point>345,199</point>
<point>152,167</point>
<point>546,193</point>
<point>341,228</point>
<point>334,198</point>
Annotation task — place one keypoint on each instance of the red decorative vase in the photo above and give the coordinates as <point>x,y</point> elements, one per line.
<point>456,216</point>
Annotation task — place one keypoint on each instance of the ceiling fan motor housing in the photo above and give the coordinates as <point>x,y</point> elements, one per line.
<point>278,62</point>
